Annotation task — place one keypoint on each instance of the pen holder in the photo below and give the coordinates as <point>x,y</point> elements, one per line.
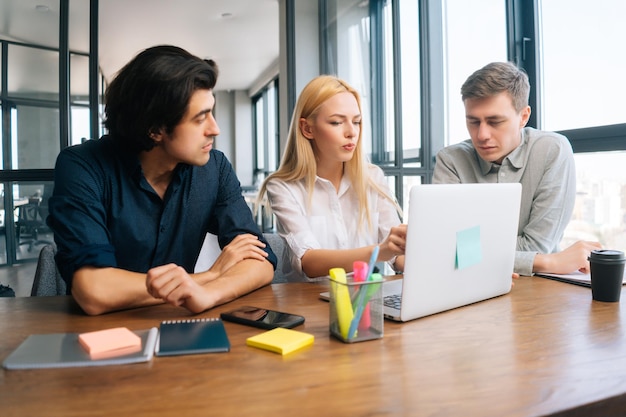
<point>356,309</point>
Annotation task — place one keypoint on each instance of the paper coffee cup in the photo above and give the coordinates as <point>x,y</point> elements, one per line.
<point>607,274</point>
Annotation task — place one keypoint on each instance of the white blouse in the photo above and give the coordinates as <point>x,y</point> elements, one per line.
<point>330,222</point>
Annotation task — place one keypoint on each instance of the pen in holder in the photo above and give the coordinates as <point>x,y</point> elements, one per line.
<point>348,300</point>
<point>361,273</point>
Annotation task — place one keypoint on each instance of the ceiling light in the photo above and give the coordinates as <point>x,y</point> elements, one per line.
<point>42,8</point>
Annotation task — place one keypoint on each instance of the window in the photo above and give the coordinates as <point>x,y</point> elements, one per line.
<point>475,35</point>
<point>582,90</point>
<point>266,142</point>
<point>348,53</point>
<point>3,228</point>
<point>37,120</point>
<point>35,136</point>
<point>79,97</point>
<point>80,125</point>
<point>374,46</point>
<point>387,153</point>
<point>600,211</point>
<point>410,91</point>
<point>265,106</point>
<point>583,63</point>
<point>25,80</point>
<point>30,200</point>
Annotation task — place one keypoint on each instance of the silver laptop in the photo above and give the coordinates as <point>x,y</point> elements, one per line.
<point>460,248</point>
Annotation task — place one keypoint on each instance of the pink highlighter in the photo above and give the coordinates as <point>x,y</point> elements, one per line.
<point>360,270</point>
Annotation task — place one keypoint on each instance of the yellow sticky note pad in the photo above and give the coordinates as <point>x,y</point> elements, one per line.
<point>281,340</point>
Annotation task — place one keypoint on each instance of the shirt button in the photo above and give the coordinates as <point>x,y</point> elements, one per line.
<point>162,229</point>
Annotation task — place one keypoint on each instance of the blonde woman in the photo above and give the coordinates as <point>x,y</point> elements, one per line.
<point>332,207</point>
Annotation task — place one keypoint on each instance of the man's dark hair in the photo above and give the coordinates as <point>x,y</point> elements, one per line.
<point>152,92</point>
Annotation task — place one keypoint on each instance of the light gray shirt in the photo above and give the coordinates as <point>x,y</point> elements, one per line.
<point>544,164</point>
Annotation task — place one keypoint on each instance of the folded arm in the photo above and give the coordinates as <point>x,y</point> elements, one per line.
<point>102,290</point>
<point>197,293</point>
<point>240,268</point>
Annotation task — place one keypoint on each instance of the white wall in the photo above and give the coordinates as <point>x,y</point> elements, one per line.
<point>233,112</point>
<point>225,120</point>
<point>244,152</point>
<point>234,108</point>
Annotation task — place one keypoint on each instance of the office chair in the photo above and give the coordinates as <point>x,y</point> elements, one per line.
<point>29,223</point>
<point>278,244</point>
<point>47,280</point>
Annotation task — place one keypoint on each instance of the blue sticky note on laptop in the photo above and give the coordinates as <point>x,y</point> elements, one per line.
<point>468,247</point>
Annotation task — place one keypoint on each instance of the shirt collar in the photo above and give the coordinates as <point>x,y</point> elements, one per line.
<point>130,162</point>
<point>344,185</point>
<point>516,157</point>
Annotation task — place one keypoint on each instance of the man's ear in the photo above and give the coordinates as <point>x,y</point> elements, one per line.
<point>305,128</point>
<point>525,113</point>
<point>155,135</point>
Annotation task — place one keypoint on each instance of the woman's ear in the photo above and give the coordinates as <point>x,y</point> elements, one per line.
<point>305,128</point>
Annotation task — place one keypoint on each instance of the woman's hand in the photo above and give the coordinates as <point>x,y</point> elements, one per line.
<point>394,245</point>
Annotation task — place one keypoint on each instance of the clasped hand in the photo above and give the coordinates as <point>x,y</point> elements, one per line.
<point>172,284</point>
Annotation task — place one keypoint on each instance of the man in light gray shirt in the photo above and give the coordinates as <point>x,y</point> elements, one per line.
<point>502,149</point>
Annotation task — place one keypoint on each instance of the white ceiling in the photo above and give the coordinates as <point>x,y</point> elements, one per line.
<point>242,36</point>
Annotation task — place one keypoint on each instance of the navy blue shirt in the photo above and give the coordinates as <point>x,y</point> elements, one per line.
<point>105,214</point>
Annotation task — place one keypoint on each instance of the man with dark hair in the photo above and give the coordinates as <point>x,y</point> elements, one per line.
<point>130,210</point>
<point>503,149</point>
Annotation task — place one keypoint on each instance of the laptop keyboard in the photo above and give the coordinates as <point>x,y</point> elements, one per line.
<point>393,301</point>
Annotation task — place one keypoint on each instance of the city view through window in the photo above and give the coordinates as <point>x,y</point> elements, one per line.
<point>600,210</point>
<point>576,77</point>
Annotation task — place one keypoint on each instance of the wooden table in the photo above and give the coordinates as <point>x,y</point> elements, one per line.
<point>544,349</point>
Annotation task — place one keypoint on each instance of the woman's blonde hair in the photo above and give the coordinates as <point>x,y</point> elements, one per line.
<point>298,161</point>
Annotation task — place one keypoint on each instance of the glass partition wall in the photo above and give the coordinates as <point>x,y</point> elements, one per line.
<point>45,103</point>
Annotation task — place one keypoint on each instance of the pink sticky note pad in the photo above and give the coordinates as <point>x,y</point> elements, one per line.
<point>110,342</point>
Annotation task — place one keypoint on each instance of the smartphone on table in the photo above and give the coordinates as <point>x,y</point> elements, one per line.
<point>262,318</point>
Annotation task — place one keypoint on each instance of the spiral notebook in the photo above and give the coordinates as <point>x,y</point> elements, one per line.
<point>192,336</point>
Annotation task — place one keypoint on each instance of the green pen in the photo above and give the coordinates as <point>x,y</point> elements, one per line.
<point>364,297</point>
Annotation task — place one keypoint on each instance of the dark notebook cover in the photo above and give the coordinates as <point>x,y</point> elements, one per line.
<point>186,337</point>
